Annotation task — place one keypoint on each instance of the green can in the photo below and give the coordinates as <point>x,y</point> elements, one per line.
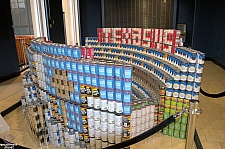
<point>184,119</point>
<point>183,127</point>
<point>176,133</point>
<point>172,126</point>
<point>170,132</point>
<point>166,131</point>
<point>177,126</point>
<point>182,134</point>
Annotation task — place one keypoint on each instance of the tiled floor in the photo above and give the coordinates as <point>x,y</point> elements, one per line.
<point>210,124</point>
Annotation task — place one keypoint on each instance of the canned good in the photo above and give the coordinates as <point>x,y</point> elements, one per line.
<point>111,138</point>
<point>104,135</point>
<point>111,118</point>
<point>118,119</point>
<point>90,101</point>
<point>119,107</point>
<point>97,115</point>
<point>91,132</point>
<point>91,123</point>
<point>111,105</point>
<point>118,130</point>
<point>104,126</point>
<point>97,103</point>
<point>127,72</point>
<point>104,104</point>
<point>111,128</point>
<point>98,144</point>
<point>104,116</point>
<point>118,139</point>
<point>98,134</point>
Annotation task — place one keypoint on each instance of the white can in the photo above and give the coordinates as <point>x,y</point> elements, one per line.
<point>133,122</point>
<point>98,125</point>
<point>111,118</point>
<point>151,123</point>
<point>143,127</point>
<point>118,139</point>
<point>98,144</point>
<point>104,104</point>
<point>91,123</point>
<point>152,107</point>
<point>97,103</point>
<point>60,133</point>
<point>111,128</point>
<point>97,115</point>
<point>90,101</point>
<point>104,135</point>
<point>143,111</point>
<point>139,112</point>
<point>118,130</point>
<point>92,142</point>
<point>104,116</point>
<point>138,128</point>
<point>143,119</point>
<point>104,144</point>
<point>148,109</point>
<point>104,126</point>
<point>55,136</point>
<point>147,125</point>
<point>91,132</point>
<point>90,113</point>
<point>111,106</point>
<point>98,134</point>
<point>134,114</point>
<point>118,120</point>
<point>72,138</point>
<point>111,138</point>
<point>119,107</point>
<point>138,121</point>
<point>54,127</point>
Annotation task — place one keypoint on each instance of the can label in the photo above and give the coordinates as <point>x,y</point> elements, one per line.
<point>119,95</point>
<point>183,85</point>
<point>110,94</point>
<point>94,80</point>
<point>97,125</point>
<point>182,94</point>
<point>91,132</point>
<point>104,126</point>
<point>119,107</point>
<point>97,115</point>
<point>111,128</point>
<point>192,67</point>
<point>126,132</point>
<point>75,77</point>
<point>127,97</point>
<point>80,66</point>
<point>188,95</point>
<point>111,118</point>
<point>104,135</point>
<point>111,106</point>
<point>104,116</point>
<point>110,71</point>
<point>119,84</point>
<point>86,68</point>
<point>103,94</point>
<point>183,76</point>
<point>127,108</point>
<point>74,66</point>
<point>104,104</point>
<point>101,70</point>
<point>127,85</point>
<point>102,82</point>
<point>110,82</point>
<point>94,69</point>
<point>90,113</point>
<point>118,120</point>
<point>128,72</point>
<point>126,121</point>
<point>95,92</point>
<point>191,76</point>
<point>90,101</point>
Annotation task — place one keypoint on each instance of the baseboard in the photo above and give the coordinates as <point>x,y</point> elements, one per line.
<point>9,76</point>
<point>10,109</point>
<point>218,63</point>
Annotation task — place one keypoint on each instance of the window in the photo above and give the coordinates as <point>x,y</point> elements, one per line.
<point>21,17</point>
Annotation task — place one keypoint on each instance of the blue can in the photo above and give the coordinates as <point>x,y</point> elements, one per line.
<point>87,66</point>
<point>191,76</point>
<point>76,52</point>
<point>176,84</point>
<point>101,68</point>
<point>72,98</point>
<point>78,98</point>
<point>80,66</point>
<point>110,82</point>
<point>94,68</point>
<point>76,87</point>
<point>59,50</point>
<point>119,95</point>
<point>74,65</point>
<point>183,76</point>
<point>82,78</point>
<point>183,85</point>
<point>119,84</point>
<point>64,50</point>
<point>75,76</point>
<point>77,109</point>
<point>88,79</point>
<point>127,96</point>
<point>53,62</point>
<point>103,93</point>
<point>62,64</point>
<point>69,51</point>
<point>110,94</point>
<point>192,67</point>
<point>94,80</point>
<point>127,108</point>
<point>74,124</point>
<point>49,61</point>
<point>128,72</point>
<point>102,81</point>
<point>69,75</point>
<point>127,84</point>
<point>51,49</point>
<point>68,64</point>
<point>55,50</point>
<point>57,63</point>
<point>110,69</point>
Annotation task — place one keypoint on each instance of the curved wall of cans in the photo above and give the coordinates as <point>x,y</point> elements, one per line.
<point>179,73</point>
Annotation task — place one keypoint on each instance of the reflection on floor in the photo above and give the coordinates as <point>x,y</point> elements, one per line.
<point>210,124</point>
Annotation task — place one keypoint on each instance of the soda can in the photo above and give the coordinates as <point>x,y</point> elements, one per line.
<point>94,68</point>
<point>97,125</point>
<point>198,77</point>
<point>102,68</point>
<point>191,76</point>
<point>119,70</point>
<point>110,69</point>
<point>104,144</point>
<point>90,52</point>
<point>98,134</point>
<point>127,96</point>
<point>118,139</point>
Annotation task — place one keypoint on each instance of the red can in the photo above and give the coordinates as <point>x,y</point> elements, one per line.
<point>90,52</point>
<point>83,52</point>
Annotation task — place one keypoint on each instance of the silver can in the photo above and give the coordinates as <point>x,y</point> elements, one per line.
<point>111,118</point>
<point>104,116</point>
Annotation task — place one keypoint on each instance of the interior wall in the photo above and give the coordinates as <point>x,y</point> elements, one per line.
<point>8,55</point>
<point>90,18</point>
<point>209,31</point>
